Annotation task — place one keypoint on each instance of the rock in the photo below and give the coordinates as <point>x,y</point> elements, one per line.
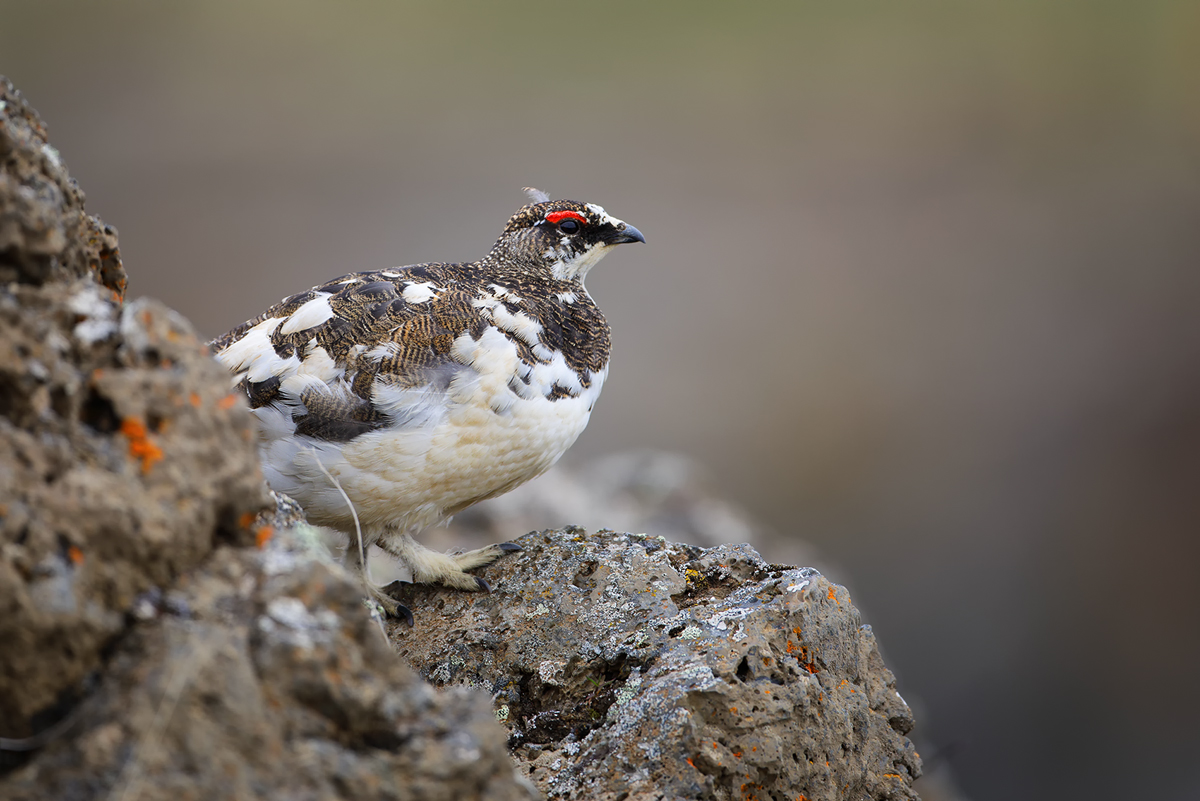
<point>124,459</point>
<point>628,667</point>
<point>262,675</point>
<point>44,232</point>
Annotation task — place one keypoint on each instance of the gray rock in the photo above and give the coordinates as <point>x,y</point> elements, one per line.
<point>45,234</point>
<point>124,461</point>
<point>628,667</point>
<point>123,458</point>
<point>265,677</point>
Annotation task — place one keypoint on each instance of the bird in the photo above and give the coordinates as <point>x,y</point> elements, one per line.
<point>391,400</point>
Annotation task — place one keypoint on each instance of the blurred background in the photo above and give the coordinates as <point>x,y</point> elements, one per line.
<point>921,287</point>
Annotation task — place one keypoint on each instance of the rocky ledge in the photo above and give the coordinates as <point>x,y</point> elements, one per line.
<point>626,667</point>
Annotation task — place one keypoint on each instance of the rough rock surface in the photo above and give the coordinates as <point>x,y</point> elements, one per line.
<point>626,667</point>
<point>123,459</point>
<point>45,234</point>
<point>263,675</point>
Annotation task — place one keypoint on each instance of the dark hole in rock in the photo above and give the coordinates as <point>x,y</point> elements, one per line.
<point>575,704</point>
<point>14,404</point>
<point>60,402</point>
<point>99,413</point>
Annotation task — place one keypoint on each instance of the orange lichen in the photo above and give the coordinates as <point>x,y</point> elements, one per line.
<point>227,402</point>
<point>246,520</point>
<point>832,594</point>
<point>194,398</point>
<point>262,535</point>
<point>690,762</point>
<point>748,789</point>
<point>140,445</point>
<point>75,555</point>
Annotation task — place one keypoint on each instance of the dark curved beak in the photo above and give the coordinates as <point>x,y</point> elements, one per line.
<point>626,235</point>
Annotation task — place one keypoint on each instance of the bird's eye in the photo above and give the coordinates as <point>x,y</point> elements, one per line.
<point>568,226</point>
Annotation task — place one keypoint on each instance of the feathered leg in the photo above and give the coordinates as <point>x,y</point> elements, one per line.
<point>432,567</point>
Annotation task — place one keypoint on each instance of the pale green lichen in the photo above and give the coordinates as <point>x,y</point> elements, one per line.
<point>626,693</point>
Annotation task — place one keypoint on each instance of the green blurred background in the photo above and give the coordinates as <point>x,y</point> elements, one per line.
<point>922,286</point>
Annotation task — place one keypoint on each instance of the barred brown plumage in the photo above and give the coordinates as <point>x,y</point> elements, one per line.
<point>420,390</point>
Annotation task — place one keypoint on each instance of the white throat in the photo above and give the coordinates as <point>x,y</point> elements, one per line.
<point>576,269</point>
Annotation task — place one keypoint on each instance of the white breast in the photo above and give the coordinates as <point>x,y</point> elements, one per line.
<point>474,440</point>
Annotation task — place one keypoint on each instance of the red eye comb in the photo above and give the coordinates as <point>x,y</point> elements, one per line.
<point>558,216</point>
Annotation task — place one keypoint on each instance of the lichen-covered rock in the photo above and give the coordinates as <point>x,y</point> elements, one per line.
<point>124,459</point>
<point>627,667</point>
<point>45,234</point>
<point>262,675</point>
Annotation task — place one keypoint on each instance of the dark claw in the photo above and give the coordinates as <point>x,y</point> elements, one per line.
<point>402,612</point>
<point>509,547</point>
<point>483,585</point>
<point>405,614</point>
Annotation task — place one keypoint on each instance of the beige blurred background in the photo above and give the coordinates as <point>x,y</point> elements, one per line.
<point>921,287</point>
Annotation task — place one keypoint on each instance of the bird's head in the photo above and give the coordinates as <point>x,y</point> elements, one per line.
<point>563,236</point>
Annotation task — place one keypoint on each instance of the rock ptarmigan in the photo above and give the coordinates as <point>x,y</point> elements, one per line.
<point>388,401</point>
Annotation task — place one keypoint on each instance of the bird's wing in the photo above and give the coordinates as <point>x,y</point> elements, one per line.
<point>361,352</point>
